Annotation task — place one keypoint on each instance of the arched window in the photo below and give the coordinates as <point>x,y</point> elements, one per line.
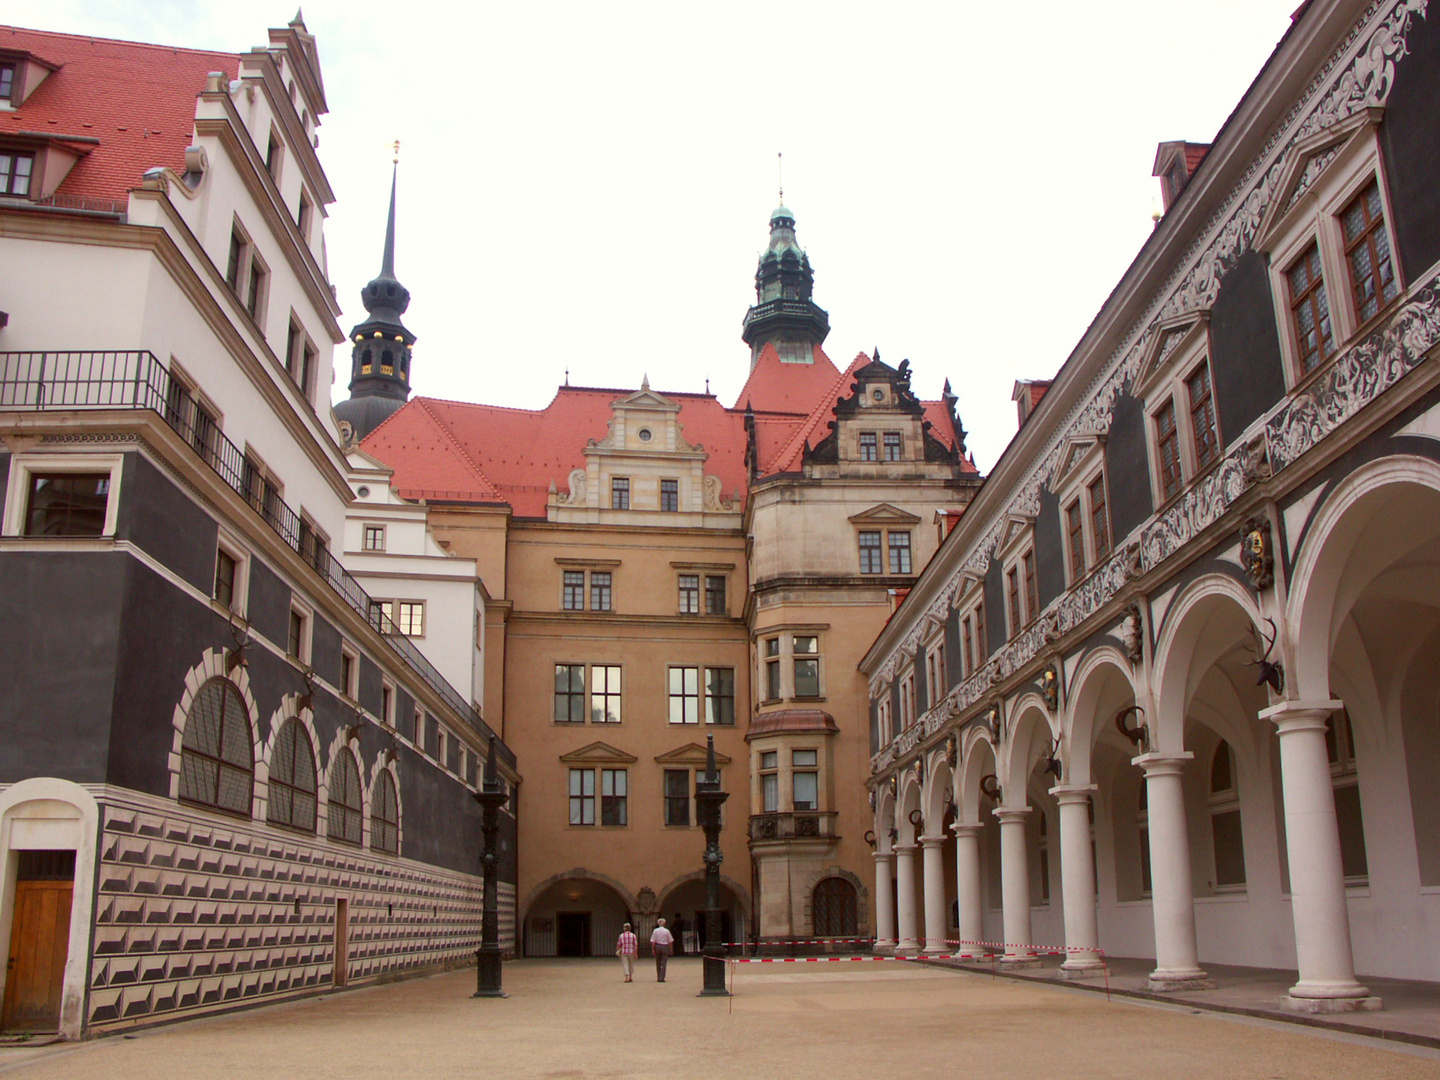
<point>217,754</point>
<point>833,908</point>
<point>1225,833</point>
<point>384,815</point>
<point>345,798</point>
<point>292,779</point>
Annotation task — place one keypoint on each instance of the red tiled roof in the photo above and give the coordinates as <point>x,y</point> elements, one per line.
<point>486,453</point>
<point>1194,154</point>
<point>813,428</point>
<point>777,387</point>
<point>138,100</point>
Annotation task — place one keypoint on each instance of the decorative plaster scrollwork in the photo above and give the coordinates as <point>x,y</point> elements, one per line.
<point>576,497</point>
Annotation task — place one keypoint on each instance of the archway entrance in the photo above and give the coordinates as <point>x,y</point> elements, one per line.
<point>575,917</point>
<point>684,910</point>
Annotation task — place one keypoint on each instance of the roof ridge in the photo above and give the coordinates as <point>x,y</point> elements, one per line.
<point>479,405</point>
<point>459,448</point>
<point>125,41</point>
<point>827,401</point>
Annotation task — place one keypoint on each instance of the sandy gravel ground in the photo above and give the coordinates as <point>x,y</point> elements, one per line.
<point>571,1019</point>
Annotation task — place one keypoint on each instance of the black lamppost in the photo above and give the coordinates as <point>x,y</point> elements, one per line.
<point>708,800</point>
<point>491,798</point>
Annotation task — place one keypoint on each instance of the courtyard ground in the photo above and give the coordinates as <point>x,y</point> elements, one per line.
<point>576,1019</point>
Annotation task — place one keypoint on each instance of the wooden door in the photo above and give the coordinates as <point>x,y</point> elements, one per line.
<point>39,944</point>
<point>342,941</point>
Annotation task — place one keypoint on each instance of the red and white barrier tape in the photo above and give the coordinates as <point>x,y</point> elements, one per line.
<point>807,959</point>
<point>798,941</point>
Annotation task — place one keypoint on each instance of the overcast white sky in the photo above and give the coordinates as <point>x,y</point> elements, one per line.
<point>587,186</point>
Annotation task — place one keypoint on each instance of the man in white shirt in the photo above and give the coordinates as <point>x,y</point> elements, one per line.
<point>661,942</point>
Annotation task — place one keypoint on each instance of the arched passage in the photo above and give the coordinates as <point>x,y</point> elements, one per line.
<point>577,913</point>
<point>682,904</point>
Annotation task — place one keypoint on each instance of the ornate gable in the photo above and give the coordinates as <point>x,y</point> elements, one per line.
<point>880,398</point>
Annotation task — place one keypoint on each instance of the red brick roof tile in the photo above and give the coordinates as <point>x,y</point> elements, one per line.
<point>138,100</point>
<point>778,387</point>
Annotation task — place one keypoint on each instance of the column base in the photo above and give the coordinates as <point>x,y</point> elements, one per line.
<point>1329,997</point>
<point>1174,981</point>
<point>884,948</point>
<point>906,948</point>
<point>936,950</point>
<point>1089,968</point>
<point>1019,963</point>
<point>969,954</point>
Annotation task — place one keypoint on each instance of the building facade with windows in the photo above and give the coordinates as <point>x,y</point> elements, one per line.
<point>1195,718</point>
<point>661,567</point>
<point>226,775</point>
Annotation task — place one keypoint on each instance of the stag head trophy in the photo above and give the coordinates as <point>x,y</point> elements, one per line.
<point>1052,759</point>
<point>990,787</point>
<point>1271,673</point>
<point>236,658</point>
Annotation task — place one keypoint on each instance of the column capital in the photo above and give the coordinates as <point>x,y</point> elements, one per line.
<point>1073,793</point>
<point>1006,814</point>
<point>904,849</point>
<point>930,841</point>
<point>883,856</point>
<point>1292,716</point>
<point>1158,764</point>
<point>967,828</point>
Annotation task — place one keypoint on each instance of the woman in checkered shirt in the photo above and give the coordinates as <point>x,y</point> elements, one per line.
<point>626,948</point>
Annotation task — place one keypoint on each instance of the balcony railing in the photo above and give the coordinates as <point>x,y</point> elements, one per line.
<point>794,825</point>
<point>64,381</point>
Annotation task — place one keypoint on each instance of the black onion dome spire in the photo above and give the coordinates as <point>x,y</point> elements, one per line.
<point>784,312</point>
<point>380,358</point>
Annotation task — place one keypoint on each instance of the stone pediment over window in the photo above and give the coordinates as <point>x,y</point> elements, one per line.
<point>884,514</point>
<point>1173,337</point>
<point>1309,159</point>
<point>690,754</point>
<point>1017,530</point>
<point>1075,456</point>
<point>598,753</point>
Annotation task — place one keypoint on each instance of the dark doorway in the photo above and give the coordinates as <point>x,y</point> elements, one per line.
<point>39,940</point>
<point>342,942</point>
<point>727,926</point>
<point>572,933</point>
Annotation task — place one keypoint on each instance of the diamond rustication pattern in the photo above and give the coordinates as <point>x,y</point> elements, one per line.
<point>195,913</point>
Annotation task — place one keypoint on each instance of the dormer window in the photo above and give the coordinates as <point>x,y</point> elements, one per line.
<point>15,172</point>
<point>7,81</point>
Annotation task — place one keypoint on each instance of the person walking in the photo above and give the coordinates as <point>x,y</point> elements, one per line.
<point>661,942</point>
<point>626,948</point>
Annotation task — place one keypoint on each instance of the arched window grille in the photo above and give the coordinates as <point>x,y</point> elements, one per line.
<point>384,815</point>
<point>345,799</point>
<point>217,754</point>
<point>292,779</point>
<point>834,908</point>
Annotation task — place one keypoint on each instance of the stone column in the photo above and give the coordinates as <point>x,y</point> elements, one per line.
<point>908,943</point>
<point>967,891</point>
<point>1177,965</point>
<point>1015,887</point>
<point>1077,884</point>
<point>1317,877</point>
<point>884,901</point>
<point>934,857</point>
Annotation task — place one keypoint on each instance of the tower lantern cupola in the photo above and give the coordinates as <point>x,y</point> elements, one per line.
<point>381,346</point>
<point>784,313</point>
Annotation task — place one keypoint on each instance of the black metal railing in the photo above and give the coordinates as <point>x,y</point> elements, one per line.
<point>43,381</point>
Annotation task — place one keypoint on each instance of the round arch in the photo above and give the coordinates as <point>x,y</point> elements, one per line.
<point>1104,673</point>
<point>290,710</point>
<point>212,666</point>
<point>884,818</point>
<point>1207,614</point>
<point>978,758</point>
<point>907,800</point>
<point>579,873</point>
<point>1325,583</point>
<point>1029,733</point>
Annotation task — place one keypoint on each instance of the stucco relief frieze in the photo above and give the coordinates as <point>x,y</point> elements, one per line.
<point>1364,78</point>
<point>1355,379</point>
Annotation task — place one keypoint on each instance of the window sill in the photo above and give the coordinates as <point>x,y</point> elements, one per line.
<point>809,699</point>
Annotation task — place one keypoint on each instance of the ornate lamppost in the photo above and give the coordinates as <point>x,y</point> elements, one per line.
<point>708,800</point>
<point>491,798</point>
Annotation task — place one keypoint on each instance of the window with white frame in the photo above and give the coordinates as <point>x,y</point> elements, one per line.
<point>62,496</point>
<point>805,649</point>
<point>349,672</point>
<point>1079,485</point>
<point>582,796</point>
<point>614,797</point>
<point>935,684</point>
<point>1175,384</point>
<point>684,695</point>
<point>605,693</point>
<point>1022,596</point>
<point>805,779</point>
<point>582,589</point>
<point>1333,265</point>
<point>374,539</point>
<point>297,641</point>
<point>770,781</point>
